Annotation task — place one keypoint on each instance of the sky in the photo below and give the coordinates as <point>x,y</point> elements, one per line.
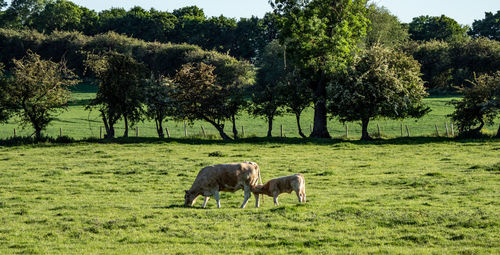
<point>463,11</point>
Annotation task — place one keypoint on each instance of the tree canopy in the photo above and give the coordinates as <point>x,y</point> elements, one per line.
<point>426,28</point>
<point>381,83</point>
<point>39,88</point>
<point>320,36</point>
<point>488,27</point>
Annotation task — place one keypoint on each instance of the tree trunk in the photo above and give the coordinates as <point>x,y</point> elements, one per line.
<point>270,119</point>
<point>320,129</point>
<point>219,128</point>
<point>125,134</point>
<point>235,131</point>
<point>159,128</point>
<point>364,130</point>
<point>476,132</point>
<point>110,130</point>
<point>498,132</point>
<point>297,116</point>
<point>38,133</point>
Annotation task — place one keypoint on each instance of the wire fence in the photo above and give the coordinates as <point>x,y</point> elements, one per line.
<point>202,130</point>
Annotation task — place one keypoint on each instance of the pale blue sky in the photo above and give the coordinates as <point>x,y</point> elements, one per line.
<point>464,11</point>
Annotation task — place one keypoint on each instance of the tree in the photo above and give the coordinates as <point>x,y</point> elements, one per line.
<point>488,27</point>
<point>267,93</point>
<point>381,83</point>
<point>121,85</point>
<point>298,96</point>
<point>200,97</point>
<point>479,106</point>
<point>5,104</point>
<point>320,36</point>
<point>20,13</point>
<point>40,89</point>
<point>384,28</point>
<point>232,75</point>
<point>426,28</point>
<point>159,101</point>
<point>58,15</point>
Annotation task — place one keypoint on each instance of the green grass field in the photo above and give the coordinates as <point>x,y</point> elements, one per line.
<point>79,123</point>
<point>419,195</point>
<point>401,196</point>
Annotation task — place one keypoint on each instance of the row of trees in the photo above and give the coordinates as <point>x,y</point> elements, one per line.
<point>328,54</point>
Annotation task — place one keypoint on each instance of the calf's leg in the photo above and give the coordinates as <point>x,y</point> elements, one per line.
<point>257,204</point>
<point>275,198</point>
<point>205,202</point>
<point>216,196</point>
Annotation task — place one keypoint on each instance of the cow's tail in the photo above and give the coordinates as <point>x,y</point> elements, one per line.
<point>260,180</point>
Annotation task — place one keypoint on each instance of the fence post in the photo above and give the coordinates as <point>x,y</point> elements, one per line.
<point>437,131</point>
<point>242,131</point>
<point>203,130</point>
<point>281,127</point>
<point>185,129</point>
<point>136,131</point>
<point>168,133</point>
<point>447,132</point>
<point>407,130</point>
<point>452,130</point>
<point>378,130</point>
<point>14,133</point>
<point>346,130</point>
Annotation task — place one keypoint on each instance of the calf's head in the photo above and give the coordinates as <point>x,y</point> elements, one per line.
<point>189,198</point>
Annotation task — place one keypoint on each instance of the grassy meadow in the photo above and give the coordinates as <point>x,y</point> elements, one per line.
<point>401,196</point>
<point>425,195</point>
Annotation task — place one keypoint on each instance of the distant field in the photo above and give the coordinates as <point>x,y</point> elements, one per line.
<point>79,123</point>
<point>413,196</point>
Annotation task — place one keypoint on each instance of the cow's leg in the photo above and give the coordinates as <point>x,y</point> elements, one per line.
<point>257,204</point>
<point>299,195</point>
<point>205,202</point>
<point>216,196</point>
<point>303,196</point>
<point>247,196</point>
<point>275,198</point>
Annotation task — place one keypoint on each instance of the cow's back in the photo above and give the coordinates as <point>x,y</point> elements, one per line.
<point>228,177</point>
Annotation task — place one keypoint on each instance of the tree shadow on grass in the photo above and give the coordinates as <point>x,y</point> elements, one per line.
<point>257,141</point>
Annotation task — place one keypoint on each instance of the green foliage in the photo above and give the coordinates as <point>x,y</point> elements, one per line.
<point>381,83</point>
<point>267,93</point>
<point>320,37</point>
<point>59,15</point>
<point>159,101</point>
<point>5,107</point>
<point>384,28</point>
<point>488,27</point>
<point>436,64</point>
<point>426,28</point>
<point>121,89</point>
<point>479,106</point>
<point>200,97</point>
<point>39,88</point>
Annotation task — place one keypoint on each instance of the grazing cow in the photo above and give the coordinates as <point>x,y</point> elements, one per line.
<point>283,184</point>
<point>224,177</point>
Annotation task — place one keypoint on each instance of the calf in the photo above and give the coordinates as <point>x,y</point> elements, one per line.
<point>224,177</point>
<point>283,184</point>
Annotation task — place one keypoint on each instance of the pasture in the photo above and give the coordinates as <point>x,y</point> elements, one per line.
<point>400,196</point>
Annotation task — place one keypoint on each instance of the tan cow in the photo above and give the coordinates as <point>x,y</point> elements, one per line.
<point>224,177</point>
<point>280,185</point>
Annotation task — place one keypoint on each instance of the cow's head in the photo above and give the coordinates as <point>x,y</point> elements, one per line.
<point>189,198</point>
